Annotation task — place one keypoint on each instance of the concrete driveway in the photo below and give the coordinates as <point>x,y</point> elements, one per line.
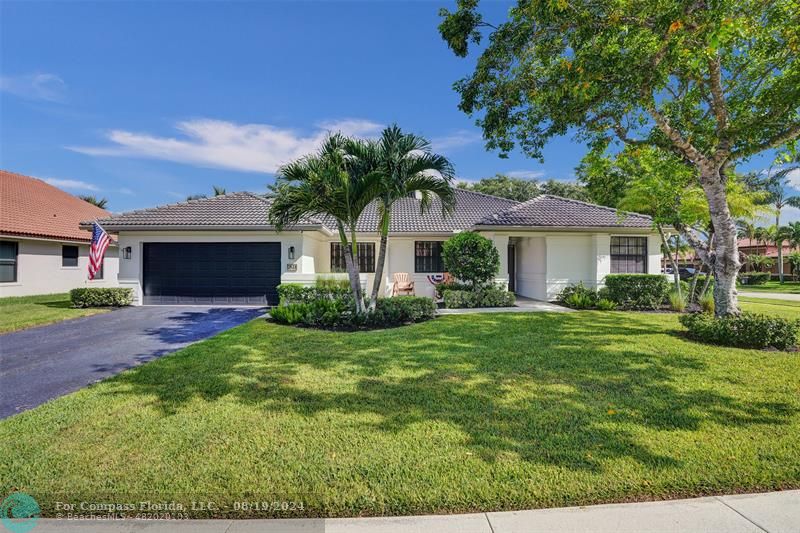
<point>39,364</point>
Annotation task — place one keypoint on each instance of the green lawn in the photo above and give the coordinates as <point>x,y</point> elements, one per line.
<point>787,287</point>
<point>27,311</point>
<point>464,413</point>
<point>784,308</point>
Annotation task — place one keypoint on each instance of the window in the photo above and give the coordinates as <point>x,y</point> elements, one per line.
<point>428,256</point>
<point>69,256</point>
<point>628,255</point>
<point>99,273</point>
<point>366,257</point>
<point>8,261</point>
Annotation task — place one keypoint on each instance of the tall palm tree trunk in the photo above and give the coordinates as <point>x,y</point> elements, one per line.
<point>350,258</point>
<point>779,244</point>
<point>376,283</point>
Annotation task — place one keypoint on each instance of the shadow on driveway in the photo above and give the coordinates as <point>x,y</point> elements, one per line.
<point>39,364</point>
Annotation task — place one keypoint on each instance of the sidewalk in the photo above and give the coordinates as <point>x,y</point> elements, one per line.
<point>772,295</point>
<point>774,512</point>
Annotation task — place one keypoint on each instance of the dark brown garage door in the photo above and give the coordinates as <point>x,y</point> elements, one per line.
<point>212,273</point>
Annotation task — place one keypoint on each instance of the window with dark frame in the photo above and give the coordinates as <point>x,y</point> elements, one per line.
<point>628,255</point>
<point>8,261</point>
<point>428,257</point>
<point>366,257</point>
<point>69,256</point>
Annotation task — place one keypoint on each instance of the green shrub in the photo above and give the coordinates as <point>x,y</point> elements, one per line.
<point>101,297</point>
<point>638,291</point>
<point>330,314</point>
<point>290,314</point>
<point>401,310</point>
<point>452,286</point>
<point>471,257</point>
<point>579,294</point>
<point>748,330</point>
<point>485,297</point>
<point>754,278</point>
<point>604,304</point>
<point>291,293</point>
<point>579,300</point>
<point>332,283</point>
<point>707,303</point>
<point>677,302</point>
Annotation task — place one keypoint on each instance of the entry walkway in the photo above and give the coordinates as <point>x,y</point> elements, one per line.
<point>774,512</point>
<point>524,305</point>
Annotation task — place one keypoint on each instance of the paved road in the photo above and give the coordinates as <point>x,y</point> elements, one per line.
<point>39,364</point>
<point>773,512</point>
<point>771,295</point>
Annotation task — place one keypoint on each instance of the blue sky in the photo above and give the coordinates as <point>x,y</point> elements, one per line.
<point>145,103</point>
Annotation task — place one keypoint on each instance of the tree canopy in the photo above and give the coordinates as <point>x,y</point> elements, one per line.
<point>521,189</point>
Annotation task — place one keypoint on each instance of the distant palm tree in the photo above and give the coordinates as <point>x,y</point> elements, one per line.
<point>775,186</point>
<point>99,202</point>
<point>760,262</point>
<point>406,165</point>
<point>217,190</point>
<point>328,183</point>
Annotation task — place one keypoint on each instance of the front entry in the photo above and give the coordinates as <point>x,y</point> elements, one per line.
<point>512,268</point>
<point>212,273</point>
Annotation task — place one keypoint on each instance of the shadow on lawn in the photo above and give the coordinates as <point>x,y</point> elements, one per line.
<point>543,386</point>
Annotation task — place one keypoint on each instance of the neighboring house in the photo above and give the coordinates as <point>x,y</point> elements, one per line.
<point>756,247</point>
<point>42,248</point>
<point>224,250</point>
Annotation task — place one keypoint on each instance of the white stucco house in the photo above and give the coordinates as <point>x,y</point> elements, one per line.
<point>224,250</point>
<point>42,248</point>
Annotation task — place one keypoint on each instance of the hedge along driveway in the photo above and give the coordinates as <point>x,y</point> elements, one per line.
<point>39,364</point>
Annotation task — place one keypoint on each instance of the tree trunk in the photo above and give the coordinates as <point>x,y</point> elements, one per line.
<point>704,290</point>
<point>376,283</point>
<point>352,270</point>
<point>725,250</point>
<point>779,244</point>
<point>693,286</point>
<point>675,274</point>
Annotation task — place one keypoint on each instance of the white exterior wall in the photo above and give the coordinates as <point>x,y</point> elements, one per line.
<point>39,269</point>
<point>546,261</point>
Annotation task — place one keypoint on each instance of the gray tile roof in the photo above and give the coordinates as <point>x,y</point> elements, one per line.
<point>554,211</point>
<point>243,210</point>
<point>406,218</point>
<point>236,210</point>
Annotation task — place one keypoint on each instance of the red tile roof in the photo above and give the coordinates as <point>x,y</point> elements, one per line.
<point>31,207</point>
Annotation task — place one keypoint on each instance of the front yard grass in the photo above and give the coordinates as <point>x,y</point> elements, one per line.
<point>464,413</point>
<point>787,287</point>
<point>20,312</point>
<point>769,306</point>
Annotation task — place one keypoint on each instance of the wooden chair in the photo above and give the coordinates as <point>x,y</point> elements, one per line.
<point>402,284</point>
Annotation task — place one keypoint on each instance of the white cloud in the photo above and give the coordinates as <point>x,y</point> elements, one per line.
<point>455,140</point>
<point>37,86</point>
<point>71,184</point>
<point>526,174</point>
<point>794,178</point>
<point>222,144</point>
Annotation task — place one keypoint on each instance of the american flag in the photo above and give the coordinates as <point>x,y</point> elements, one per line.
<point>100,241</point>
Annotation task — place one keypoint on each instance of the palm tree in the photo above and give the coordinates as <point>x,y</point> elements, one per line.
<point>748,231</point>
<point>219,191</point>
<point>760,262</point>
<point>793,234</point>
<point>332,183</point>
<point>775,186</point>
<point>406,166</point>
<point>99,202</point>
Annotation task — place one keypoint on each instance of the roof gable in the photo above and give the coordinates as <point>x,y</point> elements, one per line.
<point>31,207</point>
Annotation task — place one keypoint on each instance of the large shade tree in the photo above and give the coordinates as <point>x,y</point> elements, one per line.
<point>406,165</point>
<point>712,82</point>
<point>331,182</point>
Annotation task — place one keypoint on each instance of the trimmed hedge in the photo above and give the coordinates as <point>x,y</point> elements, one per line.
<point>747,330</point>
<point>485,297</point>
<point>293,293</point>
<point>337,313</point>
<point>637,291</point>
<point>101,297</point>
<point>754,278</point>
